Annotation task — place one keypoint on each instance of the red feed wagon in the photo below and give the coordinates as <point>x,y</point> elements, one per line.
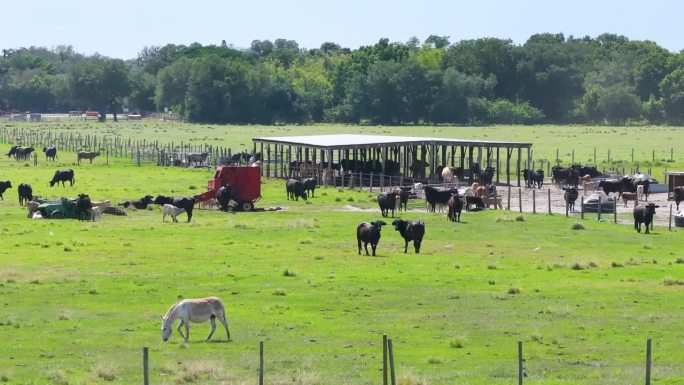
<point>246,181</point>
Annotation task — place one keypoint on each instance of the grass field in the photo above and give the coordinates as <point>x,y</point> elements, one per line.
<point>546,140</point>
<point>80,300</point>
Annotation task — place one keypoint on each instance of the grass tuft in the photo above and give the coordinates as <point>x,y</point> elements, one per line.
<point>673,282</point>
<point>520,218</point>
<point>106,371</point>
<point>577,226</point>
<point>458,342</point>
<point>616,264</point>
<point>289,273</point>
<point>280,292</point>
<point>513,291</point>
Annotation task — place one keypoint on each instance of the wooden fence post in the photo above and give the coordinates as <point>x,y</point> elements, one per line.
<point>146,366</point>
<point>549,191</point>
<point>669,222</point>
<point>520,198</point>
<point>391,361</point>
<point>534,201</point>
<point>648,361</point>
<point>384,359</point>
<point>371,182</point>
<point>520,363</point>
<point>508,207</point>
<point>581,208</point>
<point>261,362</point>
<point>599,207</point>
<point>614,210</point>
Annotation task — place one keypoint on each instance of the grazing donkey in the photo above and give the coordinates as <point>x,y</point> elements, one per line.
<point>194,310</point>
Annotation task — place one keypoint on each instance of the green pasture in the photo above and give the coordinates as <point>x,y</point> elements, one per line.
<point>653,147</point>
<point>81,299</point>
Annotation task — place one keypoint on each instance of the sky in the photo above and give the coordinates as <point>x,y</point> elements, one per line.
<point>121,28</point>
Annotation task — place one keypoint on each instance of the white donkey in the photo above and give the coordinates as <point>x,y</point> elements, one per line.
<point>194,310</point>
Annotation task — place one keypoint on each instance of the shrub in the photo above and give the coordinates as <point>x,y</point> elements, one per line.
<point>458,342</point>
<point>577,226</point>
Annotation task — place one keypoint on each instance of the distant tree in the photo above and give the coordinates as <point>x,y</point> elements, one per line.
<point>102,83</point>
<point>619,104</point>
<point>439,42</point>
<point>172,86</point>
<point>672,91</point>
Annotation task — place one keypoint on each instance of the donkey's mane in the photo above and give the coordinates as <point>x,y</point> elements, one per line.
<point>171,309</point>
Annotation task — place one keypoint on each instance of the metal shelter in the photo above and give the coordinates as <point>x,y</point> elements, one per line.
<point>326,150</point>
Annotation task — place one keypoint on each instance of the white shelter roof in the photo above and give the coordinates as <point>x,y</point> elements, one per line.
<point>345,141</point>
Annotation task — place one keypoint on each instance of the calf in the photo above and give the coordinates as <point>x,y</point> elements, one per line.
<point>310,185</point>
<point>96,212</point>
<point>644,214</point>
<point>369,233</point>
<point>3,187</point>
<point>630,196</point>
<point>455,206</point>
<point>640,192</point>
<point>410,231</point>
<point>402,194</point>
<point>90,155</point>
<point>32,208</point>
<point>187,203</point>
<point>570,197</point>
<point>387,203</point>
<point>171,210</point>
<point>209,204</point>
<point>295,189</point>
<point>25,193</point>
<point>678,195</point>
<point>140,204</point>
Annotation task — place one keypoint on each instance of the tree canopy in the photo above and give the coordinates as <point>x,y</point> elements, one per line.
<point>551,78</point>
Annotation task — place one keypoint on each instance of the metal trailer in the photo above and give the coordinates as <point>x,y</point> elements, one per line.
<point>246,181</point>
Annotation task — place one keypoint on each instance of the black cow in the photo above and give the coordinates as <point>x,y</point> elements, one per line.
<point>455,205</point>
<point>83,207</point>
<point>223,196</point>
<point>387,203</point>
<point>434,196</point>
<point>63,176</point>
<point>25,193</point>
<point>197,158</point>
<point>486,176</point>
<point>587,170</point>
<point>565,176</point>
<point>140,204</point>
<point>187,203</point>
<point>369,233</point>
<point>310,185</point>
<point>90,155</point>
<point>611,186</point>
<point>23,153</point>
<point>417,168</point>
<point>3,187</point>
<point>473,200</point>
<point>678,195</point>
<point>50,152</point>
<point>410,231</point>
<point>533,178</point>
<point>644,214</point>
<point>295,189</point>
<point>630,184</point>
<point>571,194</point>
<point>12,151</point>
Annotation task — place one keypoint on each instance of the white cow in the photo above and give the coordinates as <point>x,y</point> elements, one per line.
<point>171,210</point>
<point>447,175</point>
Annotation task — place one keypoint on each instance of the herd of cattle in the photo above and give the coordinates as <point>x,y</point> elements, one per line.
<point>479,195</point>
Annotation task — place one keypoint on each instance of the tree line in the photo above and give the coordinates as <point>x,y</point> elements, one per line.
<point>550,78</point>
